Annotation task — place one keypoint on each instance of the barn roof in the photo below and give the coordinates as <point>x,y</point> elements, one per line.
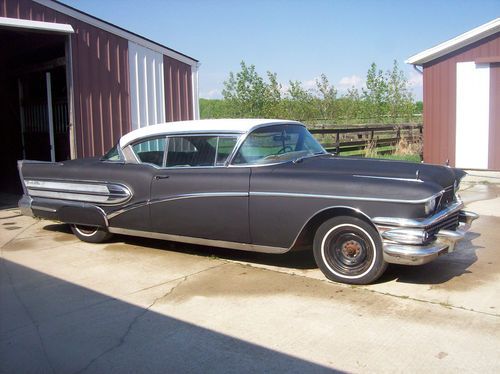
<point>456,43</point>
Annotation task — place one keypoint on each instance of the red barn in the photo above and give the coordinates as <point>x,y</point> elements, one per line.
<point>462,99</point>
<point>71,84</point>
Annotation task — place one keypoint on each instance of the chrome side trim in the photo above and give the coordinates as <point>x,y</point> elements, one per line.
<point>419,222</point>
<point>197,195</point>
<point>200,241</point>
<point>389,178</point>
<point>127,208</point>
<point>343,197</point>
<point>103,213</point>
<point>176,197</point>
<point>43,208</point>
<point>85,191</point>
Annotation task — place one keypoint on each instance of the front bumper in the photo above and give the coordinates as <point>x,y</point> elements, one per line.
<point>403,244</point>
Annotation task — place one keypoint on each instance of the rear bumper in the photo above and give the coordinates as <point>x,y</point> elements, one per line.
<point>25,206</point>
<point>403,245</point>
<point>75,212</point>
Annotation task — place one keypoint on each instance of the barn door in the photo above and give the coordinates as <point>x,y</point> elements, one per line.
<point>473,101</point>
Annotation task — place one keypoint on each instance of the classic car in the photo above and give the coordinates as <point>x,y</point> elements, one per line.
<point>255,185</point>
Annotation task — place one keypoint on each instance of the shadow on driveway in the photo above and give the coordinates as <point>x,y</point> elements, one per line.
<point>50,325</point>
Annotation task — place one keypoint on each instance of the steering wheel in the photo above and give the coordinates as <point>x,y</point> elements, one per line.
<point>286,148</point>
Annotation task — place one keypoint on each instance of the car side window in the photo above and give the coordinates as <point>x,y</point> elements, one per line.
<point>150,151</point>
<point>185,151</point>
<point>207,150</point>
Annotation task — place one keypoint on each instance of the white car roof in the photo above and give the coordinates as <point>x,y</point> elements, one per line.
<point>234,126</point>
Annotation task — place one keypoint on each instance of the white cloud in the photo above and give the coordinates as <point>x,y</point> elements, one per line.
<point>416,79</point>
<point>211,94</point>
<point>351,81</point>
<point>310,84</point>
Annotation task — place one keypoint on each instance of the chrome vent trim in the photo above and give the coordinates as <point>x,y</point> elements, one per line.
<point>101,193</point>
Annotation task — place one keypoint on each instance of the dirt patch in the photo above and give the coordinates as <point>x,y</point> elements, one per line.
<point>234,281</point>
<point>12,228</point>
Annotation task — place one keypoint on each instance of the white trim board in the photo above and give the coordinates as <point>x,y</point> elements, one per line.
<point>147,86</point>
<point>115,30</point>
<point>458,42</point>
<point>61,28</point>
<point>472,115</point>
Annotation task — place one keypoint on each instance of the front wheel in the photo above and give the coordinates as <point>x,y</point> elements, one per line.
<point>91,234</point>
<point>349,250</point>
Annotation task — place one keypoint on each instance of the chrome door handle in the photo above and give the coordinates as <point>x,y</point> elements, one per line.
<point>162,177</point>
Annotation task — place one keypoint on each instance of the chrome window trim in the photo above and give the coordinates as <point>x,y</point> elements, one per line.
<point>189,133</point>
<point>200,241</point>
<point>343,197</point>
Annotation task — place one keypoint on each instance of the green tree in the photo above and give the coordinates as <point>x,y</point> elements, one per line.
<point>299,103</point>
<point>399,98</point>
<point>375,94</point>
<point>245,92</point>
<point>327,96</point>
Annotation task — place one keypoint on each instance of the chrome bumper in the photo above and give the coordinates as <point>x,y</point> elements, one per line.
<point>403,244</point>
<point>25,206</point>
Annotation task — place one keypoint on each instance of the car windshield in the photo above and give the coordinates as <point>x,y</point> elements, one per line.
<point>277,143</point>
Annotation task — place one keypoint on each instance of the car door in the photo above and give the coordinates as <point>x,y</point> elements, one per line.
<point>194,193</point>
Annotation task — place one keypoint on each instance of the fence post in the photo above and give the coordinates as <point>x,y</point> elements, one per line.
<point>337,149</point>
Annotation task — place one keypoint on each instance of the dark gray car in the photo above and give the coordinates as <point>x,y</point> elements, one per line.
<point>256,185</point>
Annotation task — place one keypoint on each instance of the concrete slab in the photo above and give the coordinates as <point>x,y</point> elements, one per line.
<point>136,305</point>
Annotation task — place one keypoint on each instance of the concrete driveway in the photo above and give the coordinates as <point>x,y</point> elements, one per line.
<point>136,305</point>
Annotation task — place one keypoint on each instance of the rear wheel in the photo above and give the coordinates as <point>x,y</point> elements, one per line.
<point>91,234</point>
<point>349,250</point>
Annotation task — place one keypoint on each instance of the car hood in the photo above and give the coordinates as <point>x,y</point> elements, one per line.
<point>390,170</point>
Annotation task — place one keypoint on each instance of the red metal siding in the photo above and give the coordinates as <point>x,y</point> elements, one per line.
<point>494,139</point>
<point>440,99</point>
<point>178,90</point>
<point>100,77</point>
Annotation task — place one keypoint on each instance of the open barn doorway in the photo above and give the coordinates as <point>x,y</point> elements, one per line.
<point>34,116</point>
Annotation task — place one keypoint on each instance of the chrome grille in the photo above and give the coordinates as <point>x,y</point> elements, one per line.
<point>450,223</point>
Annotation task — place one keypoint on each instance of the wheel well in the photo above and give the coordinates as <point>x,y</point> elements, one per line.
<point>306,236</point>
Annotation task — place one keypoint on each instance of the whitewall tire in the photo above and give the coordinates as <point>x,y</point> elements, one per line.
<point>349,250</point>
<point>91,234</point>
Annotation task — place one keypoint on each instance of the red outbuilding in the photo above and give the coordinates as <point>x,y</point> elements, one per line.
<point>72,84</point>
<point>462,99</point>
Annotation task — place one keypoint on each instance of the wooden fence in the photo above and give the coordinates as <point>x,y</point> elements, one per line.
<point>356,139</point>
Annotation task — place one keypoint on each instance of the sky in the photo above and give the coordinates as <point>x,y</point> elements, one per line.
<point>298,40</point>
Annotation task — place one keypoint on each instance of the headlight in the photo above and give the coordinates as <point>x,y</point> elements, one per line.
<point>430,206</point>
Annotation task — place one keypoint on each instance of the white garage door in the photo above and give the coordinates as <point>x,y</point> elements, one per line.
<point>473,115</point>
